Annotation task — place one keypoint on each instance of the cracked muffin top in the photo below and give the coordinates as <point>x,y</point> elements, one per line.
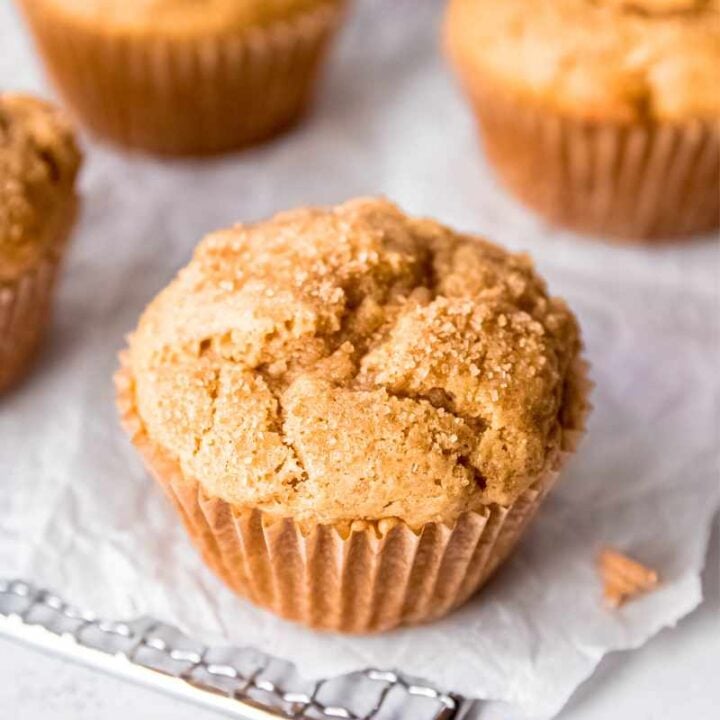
<point>355,363</point>
<point>38,164</point>
<point>181,16</point>
<point>609,59</point>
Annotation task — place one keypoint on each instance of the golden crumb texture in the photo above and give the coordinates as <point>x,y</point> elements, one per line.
<point>356,363</point>
<point>39,161</point>
<point>600,59</point>
<point>177,17</point>
<point>624,578</point>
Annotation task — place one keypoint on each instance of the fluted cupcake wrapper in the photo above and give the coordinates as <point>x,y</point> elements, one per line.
<point>185,95</point>
<point>643,180</point>
<point>362,578</point>
<point>24,314</point>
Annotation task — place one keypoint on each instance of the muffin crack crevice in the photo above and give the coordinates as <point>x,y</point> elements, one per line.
<point>281,429</point>
<point>477,424</point>
<point>213,390</point>
<point>362,356</point>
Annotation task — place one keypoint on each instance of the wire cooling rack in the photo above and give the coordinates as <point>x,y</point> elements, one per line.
<point>242,682</point>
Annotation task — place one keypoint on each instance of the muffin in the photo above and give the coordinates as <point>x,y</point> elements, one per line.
<point>602,116</point>
<point>355,412</point>
<point>180,77</point>
<point>38,164</point>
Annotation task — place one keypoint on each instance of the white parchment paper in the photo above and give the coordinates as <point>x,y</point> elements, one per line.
<point>80,515</point>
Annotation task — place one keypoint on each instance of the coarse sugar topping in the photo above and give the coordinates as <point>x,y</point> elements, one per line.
<point>356,363</point>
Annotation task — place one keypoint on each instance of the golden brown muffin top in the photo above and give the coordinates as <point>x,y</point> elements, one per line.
<point>598,59</point>
<point>38,164</point>
<point>355,363</point>
<point>180,16</point>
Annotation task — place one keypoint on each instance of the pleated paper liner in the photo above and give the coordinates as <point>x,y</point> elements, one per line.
<point>648,180</point>
<point>24,315</point>
<point>26,301</point>
<point>362,577</point>
<point>185,95</point>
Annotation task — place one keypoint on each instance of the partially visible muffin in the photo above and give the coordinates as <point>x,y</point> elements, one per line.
<point>336,391</point>
<point>603,116</point>
<point>39,161</point>
<point>179,77</point>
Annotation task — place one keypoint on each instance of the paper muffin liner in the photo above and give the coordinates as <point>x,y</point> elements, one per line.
<point>646,180</point>
<point>363,577</point>
<point>185,95</point>
<point>24,314</point>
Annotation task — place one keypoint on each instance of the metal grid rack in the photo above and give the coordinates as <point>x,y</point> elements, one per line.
<point>243,682</point>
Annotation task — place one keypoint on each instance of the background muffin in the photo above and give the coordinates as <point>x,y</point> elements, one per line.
<point>603,116</point>
<point>172,76</point>
<point>355,412</point>
<point>38,164</point>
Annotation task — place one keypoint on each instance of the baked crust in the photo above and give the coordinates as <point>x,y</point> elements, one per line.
<point>39,161</point>
<point>178,18</point>
<point>620,60</point>
<point>355,363</point>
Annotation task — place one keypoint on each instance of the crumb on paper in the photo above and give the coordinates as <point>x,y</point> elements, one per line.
<point>624,578</point>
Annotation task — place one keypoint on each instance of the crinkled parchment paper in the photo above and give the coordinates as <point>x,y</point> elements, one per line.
<point>79,513</point>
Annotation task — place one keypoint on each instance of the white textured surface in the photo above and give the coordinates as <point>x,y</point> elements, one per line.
<point>671,678</point>
<point>80,515</point>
